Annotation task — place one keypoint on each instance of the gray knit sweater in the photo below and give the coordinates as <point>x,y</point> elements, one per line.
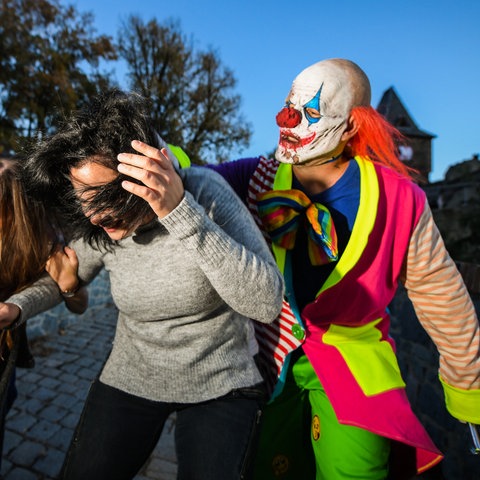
<point>185,287</point>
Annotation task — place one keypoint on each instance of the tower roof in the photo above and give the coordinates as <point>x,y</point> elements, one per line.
<point>391,107</point>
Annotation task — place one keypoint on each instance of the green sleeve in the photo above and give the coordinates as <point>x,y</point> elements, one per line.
<point>464,405</point>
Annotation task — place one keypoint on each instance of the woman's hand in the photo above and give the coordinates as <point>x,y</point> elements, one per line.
<point>9,312</point>
<point>162,186</point>
<point>62,266</point>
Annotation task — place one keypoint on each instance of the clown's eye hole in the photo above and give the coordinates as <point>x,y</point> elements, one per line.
<point>312,114</point>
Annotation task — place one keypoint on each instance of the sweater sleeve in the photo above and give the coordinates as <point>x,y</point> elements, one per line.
<point>444,308</point>
<point>217,230</point>
<point>44,293</point>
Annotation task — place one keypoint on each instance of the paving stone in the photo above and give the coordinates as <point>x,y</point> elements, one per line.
<point>158,466</point>
<point>71,420</point>
<point>87,373</point>
<point>71,368</point>
<point>77,408</point>
<point>50,464</point>
<point>53,413</point>
<point>43,430</point>
<point>65,401</point>
<point>67,386</point>
<point>20,423</point>
<point>44,394</point>
<point>50,383</point>
<point>29,377</point>
<point>62,439</point>
<point>87,362</point>
<point>50,378</point>
<point>32,405</point>
<point>27,453</point>
<point>21,474</point>
<point>83,385</point>
<point>11,440</point>
<point>6,467</point>
<point>166,447</point>
<point>58,361</point>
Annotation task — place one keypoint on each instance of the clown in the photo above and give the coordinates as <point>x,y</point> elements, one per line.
<point>339,408</point>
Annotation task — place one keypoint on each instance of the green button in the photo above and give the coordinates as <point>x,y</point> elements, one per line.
<point>298,331</point>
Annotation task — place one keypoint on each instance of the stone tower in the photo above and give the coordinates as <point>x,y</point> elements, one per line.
<point>417,150</point>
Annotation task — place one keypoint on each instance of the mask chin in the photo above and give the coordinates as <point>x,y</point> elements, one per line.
<point>323,147</point>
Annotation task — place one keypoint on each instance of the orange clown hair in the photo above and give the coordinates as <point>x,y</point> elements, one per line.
<point>377,139</point>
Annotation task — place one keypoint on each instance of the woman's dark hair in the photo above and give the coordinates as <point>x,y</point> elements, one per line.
<point>98,132</point>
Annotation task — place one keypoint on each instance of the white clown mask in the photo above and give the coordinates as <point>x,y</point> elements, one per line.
<point>317,110</point>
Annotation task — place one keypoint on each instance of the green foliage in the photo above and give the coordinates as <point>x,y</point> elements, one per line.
<point>191,93</point>
<point>45,49</point>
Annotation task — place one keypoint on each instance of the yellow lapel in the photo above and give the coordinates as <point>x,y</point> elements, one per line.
<point>363,225</point>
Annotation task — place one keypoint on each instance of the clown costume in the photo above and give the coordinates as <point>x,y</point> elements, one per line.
<point>346,224</point>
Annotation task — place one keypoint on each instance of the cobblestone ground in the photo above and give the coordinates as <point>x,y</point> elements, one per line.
<point>50,399</point>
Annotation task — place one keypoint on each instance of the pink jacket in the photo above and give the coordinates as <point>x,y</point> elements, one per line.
<point>344,332</point>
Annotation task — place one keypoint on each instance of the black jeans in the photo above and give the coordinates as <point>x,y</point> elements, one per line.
<point>215,440</point>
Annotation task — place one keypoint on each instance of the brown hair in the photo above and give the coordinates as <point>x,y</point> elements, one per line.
<point>26,239</point>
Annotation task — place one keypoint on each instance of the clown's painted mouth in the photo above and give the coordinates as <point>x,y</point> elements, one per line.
<point>290,140</point>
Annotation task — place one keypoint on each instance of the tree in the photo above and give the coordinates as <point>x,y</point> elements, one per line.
<point>192,94</point>
<point>45,49</point>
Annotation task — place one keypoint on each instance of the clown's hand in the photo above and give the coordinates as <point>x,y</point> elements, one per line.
<point>161,186</point>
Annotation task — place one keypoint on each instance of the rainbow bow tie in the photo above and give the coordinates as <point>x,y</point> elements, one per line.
<point>281,213</point>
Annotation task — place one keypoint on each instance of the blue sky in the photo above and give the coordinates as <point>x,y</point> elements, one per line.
<point>428,50</point>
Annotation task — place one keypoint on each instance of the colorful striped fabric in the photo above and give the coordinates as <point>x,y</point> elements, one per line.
<point>276,340</point>
<point>282,212</point>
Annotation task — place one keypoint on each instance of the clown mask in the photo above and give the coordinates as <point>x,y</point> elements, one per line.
<point>317,110</point>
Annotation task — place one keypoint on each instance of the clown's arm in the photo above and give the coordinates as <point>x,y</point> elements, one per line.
<point>238,174</point>
<point>445,309</point>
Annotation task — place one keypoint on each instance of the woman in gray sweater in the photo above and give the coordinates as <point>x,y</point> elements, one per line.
<point>188,270</point>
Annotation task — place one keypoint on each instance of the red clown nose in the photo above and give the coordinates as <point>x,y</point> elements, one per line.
<point>288,117</point>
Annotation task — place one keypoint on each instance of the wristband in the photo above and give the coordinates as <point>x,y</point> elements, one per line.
<point>70,293</point>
